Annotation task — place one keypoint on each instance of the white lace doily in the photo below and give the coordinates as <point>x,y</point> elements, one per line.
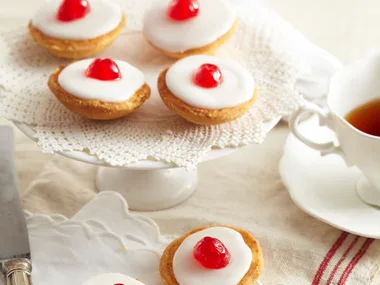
<point>151,132</point>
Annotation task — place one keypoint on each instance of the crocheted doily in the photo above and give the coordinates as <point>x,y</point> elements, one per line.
<point>151,132</point>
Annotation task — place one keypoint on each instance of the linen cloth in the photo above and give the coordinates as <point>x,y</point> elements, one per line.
<point>243,189</point>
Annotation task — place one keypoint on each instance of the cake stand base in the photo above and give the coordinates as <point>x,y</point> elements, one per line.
<point>149,190</point>
<point>147,185</point>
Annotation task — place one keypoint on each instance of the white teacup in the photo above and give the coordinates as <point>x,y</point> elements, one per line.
<point>350,88</point>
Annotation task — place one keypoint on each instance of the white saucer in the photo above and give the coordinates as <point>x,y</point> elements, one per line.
<point>324,187</point>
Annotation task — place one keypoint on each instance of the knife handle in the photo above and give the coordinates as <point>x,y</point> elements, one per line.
<point>17,271</point>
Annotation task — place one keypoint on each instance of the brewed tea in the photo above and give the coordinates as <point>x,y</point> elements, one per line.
<point>366,117</point>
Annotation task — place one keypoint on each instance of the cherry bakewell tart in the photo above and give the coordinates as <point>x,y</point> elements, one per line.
<point>99,89</point>
<point>77,29</point>
<point>181,28</point>
<point>207,90</point>
<point>217,255</point>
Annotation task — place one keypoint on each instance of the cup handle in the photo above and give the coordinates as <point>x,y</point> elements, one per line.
<point>324,148</point>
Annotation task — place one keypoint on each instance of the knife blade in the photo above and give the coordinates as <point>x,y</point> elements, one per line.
<point>14,241</point>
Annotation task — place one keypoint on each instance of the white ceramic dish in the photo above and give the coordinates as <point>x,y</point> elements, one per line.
<point>96,240</point>
<point>324,187</point>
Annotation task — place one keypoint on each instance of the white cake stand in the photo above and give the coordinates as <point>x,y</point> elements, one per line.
<point>147,185</point>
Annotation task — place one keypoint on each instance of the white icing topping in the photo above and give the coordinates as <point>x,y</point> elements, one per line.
<point>237,87</point>
<point>188,271</point>
<point>111,279</point>
<point>74,80</point>
<point>103,17</point>
<point>215,19</point>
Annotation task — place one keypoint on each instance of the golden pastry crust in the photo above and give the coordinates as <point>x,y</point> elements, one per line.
<point>200,116</point>
<point>209,49</point>
<point>95,109</point>
<point>75,49</point>
<point>166,263</point>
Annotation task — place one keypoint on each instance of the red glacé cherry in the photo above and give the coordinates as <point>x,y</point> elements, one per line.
<point>181,10</point>
<point>71,10</point>
<point>208,76</point>
<point>118,284</point>
<point>211,253</point>
<point>103,69</point>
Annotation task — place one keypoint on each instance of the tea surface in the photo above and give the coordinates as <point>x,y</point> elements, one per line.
<point>366,117</point>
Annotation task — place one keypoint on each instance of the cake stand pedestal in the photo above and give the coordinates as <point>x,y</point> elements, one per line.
<point>147,185</point>
<point>148,190</point>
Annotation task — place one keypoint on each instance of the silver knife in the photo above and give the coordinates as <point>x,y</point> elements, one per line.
<point>14,240</point>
